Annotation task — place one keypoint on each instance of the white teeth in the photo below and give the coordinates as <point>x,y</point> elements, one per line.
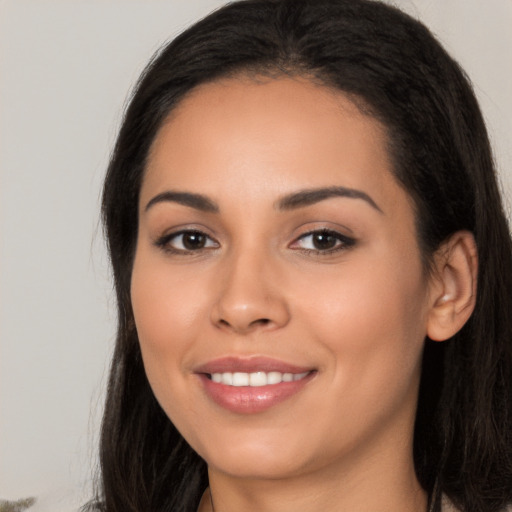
<point>226,378</point>
<point>258,379</point>
<point>240,379</point>
<point>274,377</point>
<point>255,379</point>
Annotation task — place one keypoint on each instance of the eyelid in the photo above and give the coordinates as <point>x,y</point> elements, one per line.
<point>344,242</point>
<point>164,242</point>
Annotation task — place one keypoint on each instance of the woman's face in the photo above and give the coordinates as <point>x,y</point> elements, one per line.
<point>278,290</point>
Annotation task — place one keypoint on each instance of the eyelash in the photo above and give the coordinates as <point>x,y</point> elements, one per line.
<point>342,242</point>
<point>165,241</point>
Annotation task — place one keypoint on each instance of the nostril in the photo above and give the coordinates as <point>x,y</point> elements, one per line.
<point>261,321</point>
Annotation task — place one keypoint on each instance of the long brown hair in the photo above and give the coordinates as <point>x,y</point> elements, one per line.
<point>394,69</point>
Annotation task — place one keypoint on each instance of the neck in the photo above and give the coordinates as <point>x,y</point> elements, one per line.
<point>392,487</point>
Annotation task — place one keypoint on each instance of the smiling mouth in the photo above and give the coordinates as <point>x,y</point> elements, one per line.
<point>249,385</point>
<point>255,379</point>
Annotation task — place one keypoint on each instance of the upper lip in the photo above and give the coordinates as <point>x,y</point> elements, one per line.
<point>249,365</point>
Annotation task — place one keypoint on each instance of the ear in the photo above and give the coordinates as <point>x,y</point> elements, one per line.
<point>453,286</point>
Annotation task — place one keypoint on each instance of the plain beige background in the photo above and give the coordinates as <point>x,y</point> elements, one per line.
<point>65,70</point>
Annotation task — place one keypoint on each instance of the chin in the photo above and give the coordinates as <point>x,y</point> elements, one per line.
<point>255,458</point>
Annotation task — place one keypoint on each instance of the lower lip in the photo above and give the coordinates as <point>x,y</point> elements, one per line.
<point>252,399</point>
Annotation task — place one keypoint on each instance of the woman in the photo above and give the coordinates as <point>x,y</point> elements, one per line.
<point>313,273</point>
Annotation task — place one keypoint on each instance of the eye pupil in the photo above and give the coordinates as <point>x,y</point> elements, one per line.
<point>323,241</point>
<point>193,241</point>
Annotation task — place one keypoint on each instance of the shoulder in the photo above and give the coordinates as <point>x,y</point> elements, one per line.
<point>448,506</point>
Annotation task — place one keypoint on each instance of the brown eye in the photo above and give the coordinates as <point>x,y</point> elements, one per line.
<point>186,242</point>
<point>193,241</point>
<point>323,241</point>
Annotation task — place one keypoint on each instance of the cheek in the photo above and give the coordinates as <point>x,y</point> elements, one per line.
<point>373,321</point>
<point>163,302</point>
<point>166,306</point>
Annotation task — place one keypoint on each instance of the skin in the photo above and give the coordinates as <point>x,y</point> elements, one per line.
<point>358,315</point>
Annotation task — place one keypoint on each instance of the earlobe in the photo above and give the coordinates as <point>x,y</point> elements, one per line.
<point>453,286</point>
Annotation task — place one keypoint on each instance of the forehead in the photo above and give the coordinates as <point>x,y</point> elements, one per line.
<point>247,134</point>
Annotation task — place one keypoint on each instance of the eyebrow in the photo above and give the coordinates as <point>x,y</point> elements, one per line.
<point>315,195</point>
<point>197,201</point>
<point>292,201</point>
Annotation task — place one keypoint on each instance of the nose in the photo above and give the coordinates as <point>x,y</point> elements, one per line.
<point>250,297</point>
